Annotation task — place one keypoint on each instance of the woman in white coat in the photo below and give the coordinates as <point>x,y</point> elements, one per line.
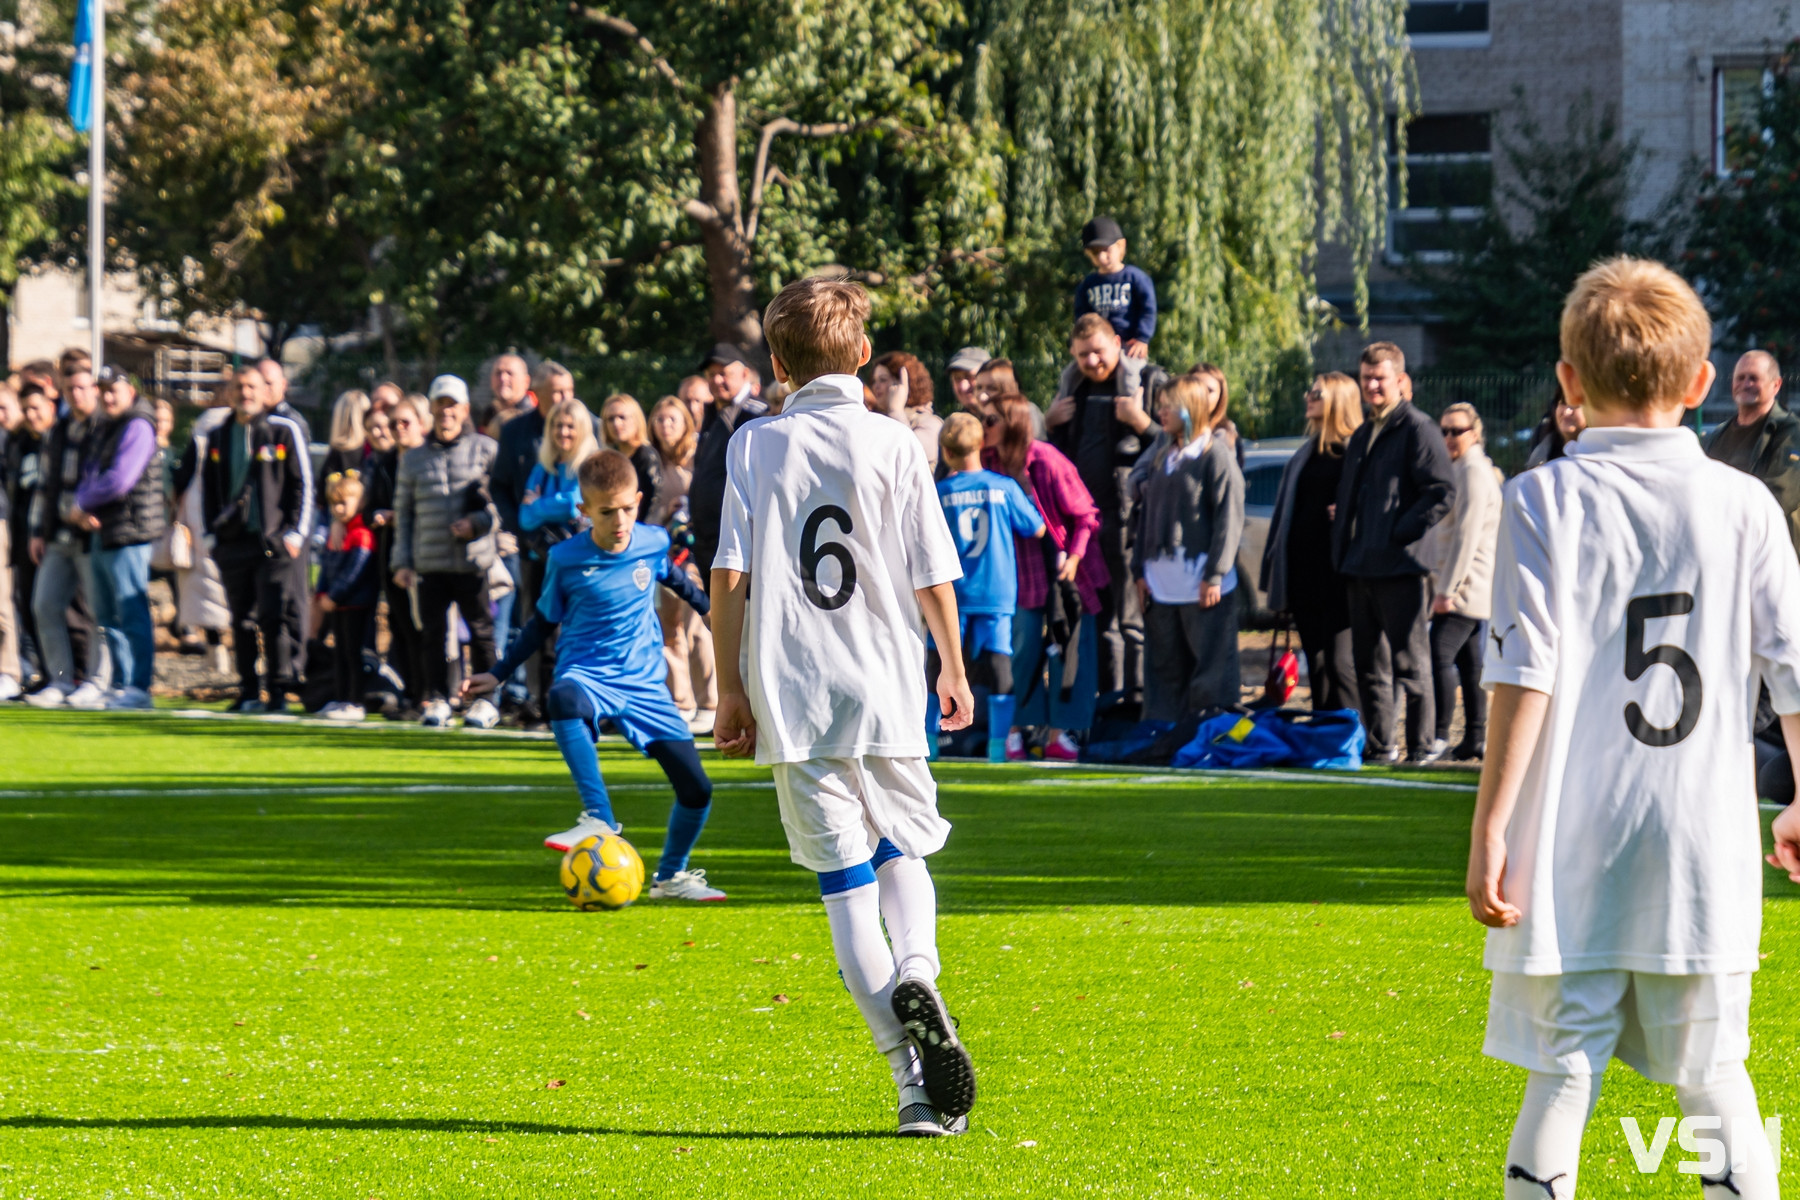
<point>1460,551</point>
<point>199,592</point>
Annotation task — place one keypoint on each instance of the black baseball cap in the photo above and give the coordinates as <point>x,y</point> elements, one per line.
<point>1101,231</point>
<point>723,354</point>
<point>109,375</point>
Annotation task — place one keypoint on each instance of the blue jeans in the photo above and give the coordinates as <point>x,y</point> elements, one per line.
<point>122,608</point>
<point>1039,700</point>
<point>506,629</point>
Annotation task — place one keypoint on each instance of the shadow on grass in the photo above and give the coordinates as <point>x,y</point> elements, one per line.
<point>1021,839</point>
<point>424,1125</point>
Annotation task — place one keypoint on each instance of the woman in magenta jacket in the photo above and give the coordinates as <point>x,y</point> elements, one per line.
<point>1055,644</point>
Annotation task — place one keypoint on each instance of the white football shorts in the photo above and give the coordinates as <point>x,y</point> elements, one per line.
<point>834,809</point>
<point>1674,1029</point>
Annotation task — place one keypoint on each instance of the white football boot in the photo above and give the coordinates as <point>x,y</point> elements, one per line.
<point>88,697</point>
<point>343,710</point>
<point>436,715</point>
<point>588,826</point>
<point>130,698</point>
<point>51,695</point>
<point>918,1117</point>
<point>481,715</point>
<point>685,885</point>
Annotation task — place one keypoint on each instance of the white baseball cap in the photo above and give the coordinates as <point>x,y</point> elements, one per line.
<point>448,386</point>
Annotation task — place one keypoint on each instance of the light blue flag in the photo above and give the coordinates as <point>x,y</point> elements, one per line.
<point>81,74</point>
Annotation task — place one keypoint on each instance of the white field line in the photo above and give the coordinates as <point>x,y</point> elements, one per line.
<point>1150,775</point>
<point>1116,774</point>
<point>276,788</point>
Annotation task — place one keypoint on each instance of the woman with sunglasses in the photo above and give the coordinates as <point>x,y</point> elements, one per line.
<point>1460,552</point>
<point>1297,571</point>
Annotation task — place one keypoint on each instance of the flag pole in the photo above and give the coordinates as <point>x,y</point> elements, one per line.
<point>97,184</point>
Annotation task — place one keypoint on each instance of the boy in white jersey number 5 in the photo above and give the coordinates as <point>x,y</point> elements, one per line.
<point>832,547</point>
<point>1643,594</point>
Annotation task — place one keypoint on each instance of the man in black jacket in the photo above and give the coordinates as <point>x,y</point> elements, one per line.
<point>1396,485</point>
<point>1101,420</point>
<point>60,550</point>
<point>256,499</point>
<point>1763,439</point>
<point>730,379</point>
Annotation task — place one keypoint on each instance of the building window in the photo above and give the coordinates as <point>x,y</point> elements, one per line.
<point>1737,104</point>
<point>1449,182</point>
<point>1446,25</point>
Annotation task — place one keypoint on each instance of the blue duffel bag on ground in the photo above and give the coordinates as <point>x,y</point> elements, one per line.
<point>1278,737</point>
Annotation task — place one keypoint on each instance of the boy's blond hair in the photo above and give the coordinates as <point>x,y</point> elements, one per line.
<point>815,327</point>
<point>1635,333</point>
<point>961,436</point>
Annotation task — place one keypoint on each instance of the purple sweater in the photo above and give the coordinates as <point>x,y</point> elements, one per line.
<point>98,487</point>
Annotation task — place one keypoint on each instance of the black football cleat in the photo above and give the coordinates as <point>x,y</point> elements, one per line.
<point>949,1074</point>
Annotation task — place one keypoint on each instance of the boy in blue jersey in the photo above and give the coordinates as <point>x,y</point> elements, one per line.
<point>983,509</point>
<point>601,590</point>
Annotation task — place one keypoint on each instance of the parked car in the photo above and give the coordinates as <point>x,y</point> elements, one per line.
<point>1264,462</point>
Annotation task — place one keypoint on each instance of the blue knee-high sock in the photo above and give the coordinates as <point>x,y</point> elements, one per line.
<point>685,825</point>
<point>680,761</point>
<point>576,741</point>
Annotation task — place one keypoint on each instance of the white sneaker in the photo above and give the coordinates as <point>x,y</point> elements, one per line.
<point>51,695</point>
<point>701,724</point>
<point>88,697</point>
<point>918,1117</point>
<point>345,711</point>
<point>436,715</point>
<point>588,826</point>
<point>481,715</point>
<point>329,710</point>
<point>9,688</point>
<point>685,885</point>
<point>130,698</point>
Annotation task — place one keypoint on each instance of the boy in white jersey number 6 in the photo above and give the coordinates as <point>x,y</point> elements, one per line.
<point>1643,593</point>
<point>832,547</point>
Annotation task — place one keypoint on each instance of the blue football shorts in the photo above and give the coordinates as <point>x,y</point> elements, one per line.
<point>642,710</point>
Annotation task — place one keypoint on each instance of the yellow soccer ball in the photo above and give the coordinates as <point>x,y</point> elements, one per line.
<point>602,872</point>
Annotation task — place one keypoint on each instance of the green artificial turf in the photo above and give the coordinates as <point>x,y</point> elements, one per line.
<point>262,969</point>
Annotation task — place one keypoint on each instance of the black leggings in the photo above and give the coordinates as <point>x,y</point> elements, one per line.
<point>1456,646</point>
<point>437,592</point>
<point>348,627</point>
<point>680,761</point>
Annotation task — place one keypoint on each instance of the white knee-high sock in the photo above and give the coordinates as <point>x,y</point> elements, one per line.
<point>1750,1162</point>
<point>865,961</point>
<point>909,907</point>
<point>1545,1153</point>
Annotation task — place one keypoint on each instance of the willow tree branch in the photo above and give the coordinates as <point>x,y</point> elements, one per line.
<point>624,28</point>
<point>760,174</point>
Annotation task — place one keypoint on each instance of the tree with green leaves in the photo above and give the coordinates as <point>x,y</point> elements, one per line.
<point>640,174</point>
<point>1230,138</point>
<point>1740,228</point>
<point>38,149</point>
<point>230,188</point>
<point>1559,205</point>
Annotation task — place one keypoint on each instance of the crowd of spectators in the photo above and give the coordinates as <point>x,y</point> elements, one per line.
<point>1114,582</point>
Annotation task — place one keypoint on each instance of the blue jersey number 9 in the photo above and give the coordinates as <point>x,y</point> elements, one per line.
<point>972,528</point>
